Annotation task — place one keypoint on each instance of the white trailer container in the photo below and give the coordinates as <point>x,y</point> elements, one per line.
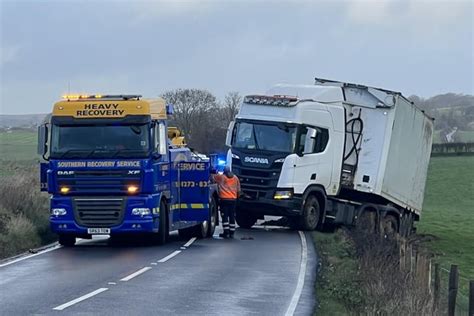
<point>354,149</point>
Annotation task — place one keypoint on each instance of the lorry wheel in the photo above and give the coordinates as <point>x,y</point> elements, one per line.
<point>244,219</point>
<point>389,227</point>
<point>366,221</point>
<point>212,218</point>
<point>163,233</point>
<point>67,240</point>
<point>311,212</point>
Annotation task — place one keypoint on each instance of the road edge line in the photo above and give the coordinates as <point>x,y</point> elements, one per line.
<point>19,258</point>
<point>80,299</point>
<point>302,274</point>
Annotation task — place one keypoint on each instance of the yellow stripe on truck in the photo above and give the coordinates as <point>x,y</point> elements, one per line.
<point>188,206</point>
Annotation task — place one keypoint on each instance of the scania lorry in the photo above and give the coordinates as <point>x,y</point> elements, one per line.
<point>111,169</point>
<point>331,153</point>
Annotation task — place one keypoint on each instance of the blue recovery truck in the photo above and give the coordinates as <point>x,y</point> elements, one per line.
<point>111,170</point>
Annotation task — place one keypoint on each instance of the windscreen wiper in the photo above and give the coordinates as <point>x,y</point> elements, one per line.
<point>70,151</point>
<point>130,151</point>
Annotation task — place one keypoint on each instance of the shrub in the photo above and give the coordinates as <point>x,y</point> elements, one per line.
<point>19,236</point>
<point>23,206</point>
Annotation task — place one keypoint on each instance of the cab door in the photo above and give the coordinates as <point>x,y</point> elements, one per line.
<point>313,164</point>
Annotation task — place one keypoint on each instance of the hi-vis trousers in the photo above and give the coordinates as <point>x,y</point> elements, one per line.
<point>228,216</point>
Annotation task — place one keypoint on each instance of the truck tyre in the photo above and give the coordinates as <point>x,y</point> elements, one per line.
<point>67,240</point>
<point>212,218</point>
<point>244,219</point>
<point>366,221</point>
<point>311,213</point>
<point>163,232</point>
<point>389,226</point>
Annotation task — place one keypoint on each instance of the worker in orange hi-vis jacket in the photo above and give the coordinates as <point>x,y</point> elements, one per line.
<point>229,191</point>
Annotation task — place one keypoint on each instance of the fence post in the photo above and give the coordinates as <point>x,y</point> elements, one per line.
<point>436,289</point>
<point>471,298</point>
<point>453,289</point>
<point>403,250</point>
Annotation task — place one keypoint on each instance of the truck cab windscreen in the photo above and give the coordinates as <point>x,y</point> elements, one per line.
<point>278,137</point>
<point>100,141</point>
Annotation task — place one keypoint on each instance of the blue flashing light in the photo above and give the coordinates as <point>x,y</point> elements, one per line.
<point>169,109</point>
<point>221,162</point>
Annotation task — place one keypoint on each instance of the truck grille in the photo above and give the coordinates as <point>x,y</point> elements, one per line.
<point>98,181</point>
<point>258,183</point>
<point>99,212</point>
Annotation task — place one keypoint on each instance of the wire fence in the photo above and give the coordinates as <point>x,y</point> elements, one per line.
<point>447,290</point>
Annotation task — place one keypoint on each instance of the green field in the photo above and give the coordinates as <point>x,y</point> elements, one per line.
<point>448,213</point>
<point>18,145</point>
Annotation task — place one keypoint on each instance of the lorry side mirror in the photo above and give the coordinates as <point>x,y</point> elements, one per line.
<point>230,130</point>
<point>42,139</point>
<point>310,141</point>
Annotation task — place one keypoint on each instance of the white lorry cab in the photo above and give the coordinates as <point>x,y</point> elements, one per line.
<point>332,152</point>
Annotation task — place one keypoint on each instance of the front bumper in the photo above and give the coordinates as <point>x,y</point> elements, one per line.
<point>127,223</point>
<point>264,206</point>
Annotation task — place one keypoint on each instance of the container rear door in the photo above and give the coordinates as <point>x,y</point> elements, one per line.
<point>193,189</point>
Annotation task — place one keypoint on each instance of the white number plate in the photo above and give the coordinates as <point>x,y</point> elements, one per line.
<point>98,231</point>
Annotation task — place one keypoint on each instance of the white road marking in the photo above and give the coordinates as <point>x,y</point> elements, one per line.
<point>299,286</point>
<point>189,243</point>
<point>80,299</point>
<point>134,274</point>
<point>168,257</point>
<point>154,263</point>
<point>30,256</point>
<point>112,283</point>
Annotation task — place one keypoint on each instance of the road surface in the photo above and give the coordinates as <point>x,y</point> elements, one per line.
<point>263,271</point>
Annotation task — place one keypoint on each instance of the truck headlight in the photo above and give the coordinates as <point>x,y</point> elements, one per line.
<point>234,156</point>
<point>58,211</point>
<point>141,211</point>
<point>132,189</point>
<point>64,190</point>
<point>284,194</point>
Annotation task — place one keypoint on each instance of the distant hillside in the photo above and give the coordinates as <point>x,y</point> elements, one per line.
<point>453,114</point>
<point>447,100</point>
<point>24,120</point>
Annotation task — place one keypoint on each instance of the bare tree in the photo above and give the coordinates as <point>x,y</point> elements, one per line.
<point>190,107</point>
<point>193,109</point>
<point>231,105</point>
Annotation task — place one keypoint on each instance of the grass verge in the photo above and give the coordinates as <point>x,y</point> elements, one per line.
<point>337,286</point>
<point>24,216</point>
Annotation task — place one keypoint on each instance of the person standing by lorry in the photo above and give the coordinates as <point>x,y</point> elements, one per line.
<point>229,191</point>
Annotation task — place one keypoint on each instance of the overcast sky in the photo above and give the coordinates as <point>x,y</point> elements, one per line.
<point>416,47</point>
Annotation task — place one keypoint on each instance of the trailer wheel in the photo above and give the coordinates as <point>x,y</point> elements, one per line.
<point>245,219</point>
<point>311,213</point>
<point>67,240</point>
<point>389,226</point>
<point>163,233</point>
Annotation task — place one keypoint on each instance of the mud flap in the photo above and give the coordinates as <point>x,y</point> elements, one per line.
<point>193,188</point>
